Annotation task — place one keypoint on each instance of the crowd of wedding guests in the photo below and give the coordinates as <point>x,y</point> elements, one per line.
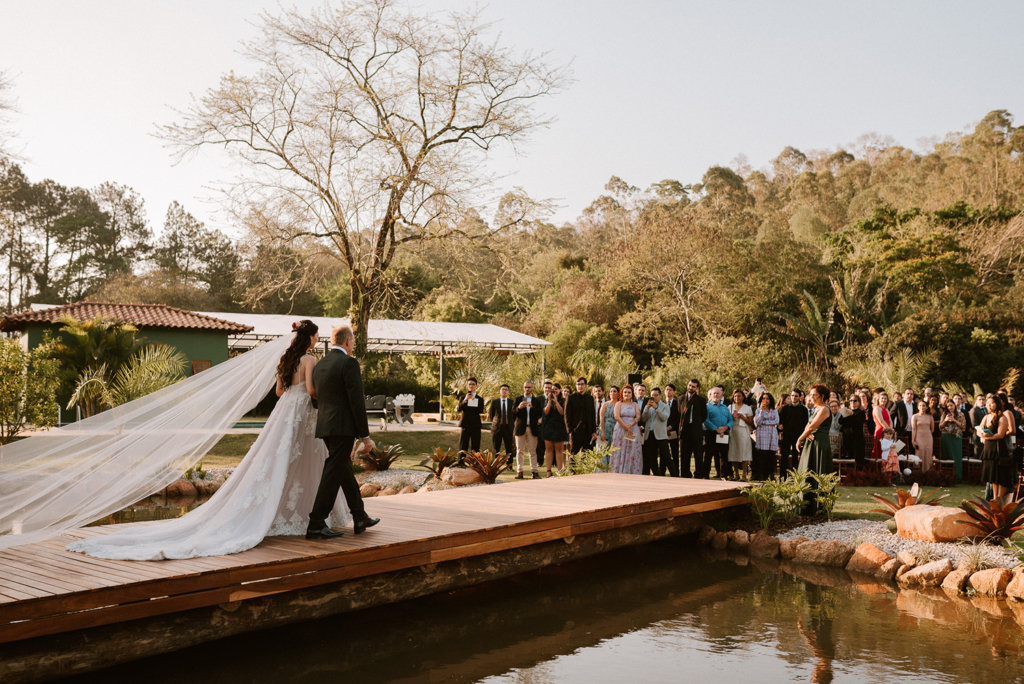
<point>752,435</point>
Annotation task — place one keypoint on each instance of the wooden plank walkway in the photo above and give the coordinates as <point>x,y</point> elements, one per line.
<point>46,590</point>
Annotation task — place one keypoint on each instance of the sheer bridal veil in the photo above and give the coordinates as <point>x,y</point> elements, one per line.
<point>71,476</point>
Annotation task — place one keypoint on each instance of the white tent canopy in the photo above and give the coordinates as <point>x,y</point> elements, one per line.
<point>412,337</point>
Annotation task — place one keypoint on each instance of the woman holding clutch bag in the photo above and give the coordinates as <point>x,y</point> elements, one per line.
<point>627,456</point>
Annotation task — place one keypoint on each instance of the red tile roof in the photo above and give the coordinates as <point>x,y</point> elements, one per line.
<point>139,315</point>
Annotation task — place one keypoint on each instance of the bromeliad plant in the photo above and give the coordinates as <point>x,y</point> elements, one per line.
<point>905,498</point>
<point>488,464</point>
<point>382,457</point>
<point>997,519</point>
<point>441,459</point>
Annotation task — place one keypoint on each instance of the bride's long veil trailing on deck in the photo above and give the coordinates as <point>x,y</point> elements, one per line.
<point>71,476</point>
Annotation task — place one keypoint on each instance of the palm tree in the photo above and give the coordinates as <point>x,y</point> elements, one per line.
<point>151,368</point>
<point>815,328</point>
<point>84,346</point>
<point>906,368</point>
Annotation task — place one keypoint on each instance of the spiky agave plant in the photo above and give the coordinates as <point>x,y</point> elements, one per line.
<point>440,459</point>
<point>997,519</point>
<point>382,457</point>
<point>488,464</point>
<point>906,498</point>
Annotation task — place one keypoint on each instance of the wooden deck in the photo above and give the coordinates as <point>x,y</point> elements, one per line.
<point>45,590</point>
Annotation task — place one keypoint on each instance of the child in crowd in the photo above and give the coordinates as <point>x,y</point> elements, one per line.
<point>891,454</point>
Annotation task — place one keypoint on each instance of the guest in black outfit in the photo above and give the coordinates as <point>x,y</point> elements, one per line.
<point>853,431</point>
<point>693,410</point>
<point>904,411</point>
<point>793,418</point>
<point>580,419</point>
<point>471,405</point>
<point>501,416</point>
<point>527,410</point>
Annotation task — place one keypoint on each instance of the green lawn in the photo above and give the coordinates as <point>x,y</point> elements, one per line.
<point>854,502</point>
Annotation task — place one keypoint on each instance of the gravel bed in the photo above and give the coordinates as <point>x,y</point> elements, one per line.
<point>856,532</point>
<point>395,477</point>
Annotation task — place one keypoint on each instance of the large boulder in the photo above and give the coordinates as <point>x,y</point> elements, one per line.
<point>1015,589</point>
<point>956,581</point>
<point>888,569</point>
<point>868,559</point>
<point>181,489</point>
<point>459,477</point>
<point>933,524</point>
<point>787,547</point>
<point>740,541</point>
<point>368,489</point>
<point>927,575</point>
<point>720,541</point>
<point>407,489</point>
<point>829,552</point>
<point>992,582</point>
<point>763,545</point>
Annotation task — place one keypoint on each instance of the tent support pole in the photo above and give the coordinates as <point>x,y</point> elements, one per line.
<point>440,400</point>
<point>543,366</point>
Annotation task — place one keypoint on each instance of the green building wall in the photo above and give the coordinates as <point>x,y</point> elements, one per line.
<point>196,345</point>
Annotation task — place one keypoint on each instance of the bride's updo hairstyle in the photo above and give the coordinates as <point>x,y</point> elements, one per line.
<point>304,332</point>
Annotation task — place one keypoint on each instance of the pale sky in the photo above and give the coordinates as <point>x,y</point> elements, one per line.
<point>664,89</point>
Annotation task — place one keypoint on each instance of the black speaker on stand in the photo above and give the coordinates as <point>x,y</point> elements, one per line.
<point>634,379</point>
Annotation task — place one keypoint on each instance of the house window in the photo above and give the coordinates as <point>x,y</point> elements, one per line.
<point>199,366</point>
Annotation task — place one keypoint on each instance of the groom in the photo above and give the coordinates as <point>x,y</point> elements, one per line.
<point>341,418</point>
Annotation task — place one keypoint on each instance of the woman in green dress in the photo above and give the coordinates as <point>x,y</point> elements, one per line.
<point>815,452</point>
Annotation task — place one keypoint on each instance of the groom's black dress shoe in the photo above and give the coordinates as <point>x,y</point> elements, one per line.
<point>325,533</point>
<point>361,525</point>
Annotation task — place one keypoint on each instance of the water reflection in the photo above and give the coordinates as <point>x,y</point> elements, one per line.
<point>156,507</point>
<point>661,613</point>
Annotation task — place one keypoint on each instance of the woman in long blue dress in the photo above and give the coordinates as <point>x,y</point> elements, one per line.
<point>627,448</point>
<point>607,418</point>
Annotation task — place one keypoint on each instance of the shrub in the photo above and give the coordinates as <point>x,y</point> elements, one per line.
<point>906,498</point>
<point>827,492</point>
<point>382,457</point>
<point>488,464</point>
<point>762,502</point>
<point>439,460</point>
<point>587,461</point>
<point>997,519</point>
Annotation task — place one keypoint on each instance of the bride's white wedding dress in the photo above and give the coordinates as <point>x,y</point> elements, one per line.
<point>271,492</point>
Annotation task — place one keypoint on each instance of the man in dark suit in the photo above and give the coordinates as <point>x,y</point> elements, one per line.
<point>693,411</point>
<point>673,431</point>
<point>501,416</point>
<point>527,410</point>
<point>793,419</point>
<point>579,418</point>
<point>341,419</point>
<point>471,405</point>
<point>905,410</point>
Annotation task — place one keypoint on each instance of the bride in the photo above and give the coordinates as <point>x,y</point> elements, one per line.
<point>270,493</point>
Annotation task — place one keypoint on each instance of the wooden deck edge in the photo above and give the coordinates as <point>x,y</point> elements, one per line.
<point>48,657</point>
<point>303,579</point>
<point>440,548</point>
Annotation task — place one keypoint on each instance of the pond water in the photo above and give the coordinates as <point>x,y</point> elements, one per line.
<point>665,612</point>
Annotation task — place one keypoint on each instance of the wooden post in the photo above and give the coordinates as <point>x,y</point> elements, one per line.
<point>440,399</point>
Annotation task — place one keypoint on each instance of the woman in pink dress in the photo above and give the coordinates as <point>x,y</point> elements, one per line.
<point>883,422</point>
<point>627,456</point>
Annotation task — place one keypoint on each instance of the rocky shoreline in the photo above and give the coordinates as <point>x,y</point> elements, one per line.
<point>806,551</point>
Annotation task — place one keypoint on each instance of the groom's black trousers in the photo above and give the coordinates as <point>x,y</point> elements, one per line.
<point>337,475</point>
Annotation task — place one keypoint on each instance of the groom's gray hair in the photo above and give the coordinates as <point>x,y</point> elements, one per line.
<point>341,334</point>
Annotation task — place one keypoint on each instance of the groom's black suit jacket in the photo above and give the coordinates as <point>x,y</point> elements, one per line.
<point>341,405</point>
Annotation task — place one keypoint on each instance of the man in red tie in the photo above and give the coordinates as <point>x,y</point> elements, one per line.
<point>500,415</point>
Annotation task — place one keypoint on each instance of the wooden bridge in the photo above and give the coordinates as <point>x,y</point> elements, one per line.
<point>453,538</point>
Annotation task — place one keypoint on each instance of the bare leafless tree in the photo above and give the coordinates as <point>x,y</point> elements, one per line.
<point>7,110</point>
<point>364,128</point>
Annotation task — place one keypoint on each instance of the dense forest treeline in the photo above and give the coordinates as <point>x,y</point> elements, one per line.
<point>830,264</point>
